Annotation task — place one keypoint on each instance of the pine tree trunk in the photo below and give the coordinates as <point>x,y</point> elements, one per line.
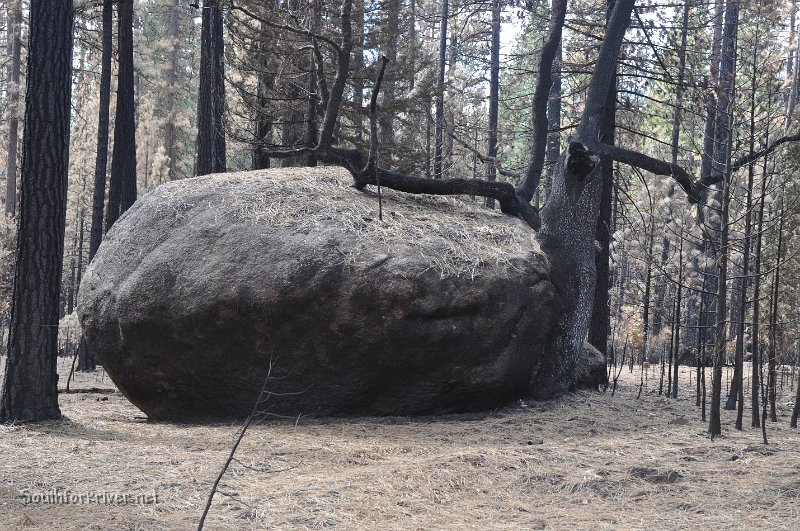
<point>30,389</point>
<point>773,325</point>
<point>494,97</point>
<point>101,158</point>
<point>438,143</point>
<point>391,35</point>
<point>172,78</point>
<point>211,96</point>
<point>14,36</point>
<point>122,185</point>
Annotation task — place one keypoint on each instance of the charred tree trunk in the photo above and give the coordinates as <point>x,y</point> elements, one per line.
<point>211,97</point>
<point>601,318</point>
<point>773,325</point>
<point>14,45</point>
<point>569,220</point>
<point>722,152</point>
<point>101,159</point>
<point>30,389</point>
<point>122,186</point>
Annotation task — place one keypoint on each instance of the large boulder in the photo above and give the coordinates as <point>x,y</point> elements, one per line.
<point>205,283</point>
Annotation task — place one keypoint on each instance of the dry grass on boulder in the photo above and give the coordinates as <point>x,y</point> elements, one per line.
<point>456,235</point>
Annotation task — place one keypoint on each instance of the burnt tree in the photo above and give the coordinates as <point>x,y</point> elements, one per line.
<point>30,390</point>
<point>122,185</point>
<point>211,97</point>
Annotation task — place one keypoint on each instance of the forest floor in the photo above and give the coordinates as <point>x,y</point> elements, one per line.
<point>586,461</point>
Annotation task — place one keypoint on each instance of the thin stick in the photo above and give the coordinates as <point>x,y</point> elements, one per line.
<point>233,450</point>
<point>372,161</point>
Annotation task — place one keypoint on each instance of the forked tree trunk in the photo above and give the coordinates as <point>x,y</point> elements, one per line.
<point>30,389</point>
<point>569,221</point>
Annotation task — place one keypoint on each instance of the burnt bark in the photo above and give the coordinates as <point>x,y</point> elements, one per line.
<point>30,389</point>
<point>211,97</point>
<point>122,185</point>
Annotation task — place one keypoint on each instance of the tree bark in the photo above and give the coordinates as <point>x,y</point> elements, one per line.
<point>30,391</point>
<point>211,96</point>
<point>122,185</point>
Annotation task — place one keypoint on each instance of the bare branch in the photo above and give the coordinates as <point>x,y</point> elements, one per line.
<point>291,29</point>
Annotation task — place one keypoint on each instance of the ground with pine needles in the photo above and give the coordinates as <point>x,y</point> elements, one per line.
<point>586,461</point>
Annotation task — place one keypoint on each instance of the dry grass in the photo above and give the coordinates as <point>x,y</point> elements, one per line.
<point>455,235</point>
<point>588,461</point>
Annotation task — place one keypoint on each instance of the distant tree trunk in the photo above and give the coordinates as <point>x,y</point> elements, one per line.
<point>439,117</point>
<point>172,78</point>
<point>390,32</point>
<point>601,317</point>
<point>262,121</point>
<point>14,43</point>
<point>358,71</point>
<point>773,324</point>
<point>30,392</point>
<point>122,186</point>
<point>796,410</point>
<point>494,96</point>
<point>677,321</point>
<point>211,96</point>
<point>756,362</point>
<point>101,159</point>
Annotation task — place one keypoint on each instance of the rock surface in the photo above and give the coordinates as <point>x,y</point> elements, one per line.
<point>442,307</point>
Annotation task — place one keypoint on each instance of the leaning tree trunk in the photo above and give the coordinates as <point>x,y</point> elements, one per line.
<point>30,391</point>
<point>211,97</point>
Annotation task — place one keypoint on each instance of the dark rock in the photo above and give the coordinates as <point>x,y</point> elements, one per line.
<point>591,368</point>
<point>442,307</point>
